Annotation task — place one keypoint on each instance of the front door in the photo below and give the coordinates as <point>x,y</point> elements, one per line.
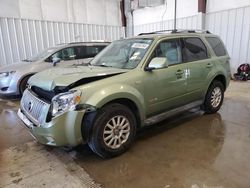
<point>165,87</point>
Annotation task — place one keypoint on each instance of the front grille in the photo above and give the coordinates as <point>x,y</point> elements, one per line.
<point>34,108</point>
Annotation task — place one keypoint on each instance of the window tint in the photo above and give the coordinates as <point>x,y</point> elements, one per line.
<point>217,46</point>
<point>87,51</point>
<point>65,54</point>
<point>194,49</point>
<point>171,50</point>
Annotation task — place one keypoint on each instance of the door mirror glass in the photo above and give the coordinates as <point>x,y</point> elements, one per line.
<point>56,60</point>
<point>158,63</point>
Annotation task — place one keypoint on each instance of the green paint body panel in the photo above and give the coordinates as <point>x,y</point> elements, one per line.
<point>152,92</point>
<point>64,129</point>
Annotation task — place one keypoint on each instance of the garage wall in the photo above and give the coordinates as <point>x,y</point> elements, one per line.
<point>161,17</point>
<point>233,26</point>
<point>191,22</point>
<point>27,27</point>
<point>165,12</point>
<point>215,5</point>
<point>227,18</point>
<point>99,12</point>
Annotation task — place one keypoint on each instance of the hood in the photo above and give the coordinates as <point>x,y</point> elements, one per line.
<point>21,66</point>
<point>63,77</point>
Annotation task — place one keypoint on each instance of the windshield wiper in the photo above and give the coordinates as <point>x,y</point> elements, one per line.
<point>105,65</point>
<point>102,65</point>
<point>27,60</point>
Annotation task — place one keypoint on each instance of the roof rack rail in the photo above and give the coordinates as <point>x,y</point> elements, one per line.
<point>198,30</point>
<point>177,31</point>
<point>93,41</point>
<point>156,32</point>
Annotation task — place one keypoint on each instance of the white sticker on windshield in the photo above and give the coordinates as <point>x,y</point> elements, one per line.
<point>140,45</point>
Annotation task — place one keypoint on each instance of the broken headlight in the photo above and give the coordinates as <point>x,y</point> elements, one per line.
<point>65,102</point>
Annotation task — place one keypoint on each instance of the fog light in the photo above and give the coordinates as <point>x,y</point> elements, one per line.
<point>4,88</point>
<point>50,140</point>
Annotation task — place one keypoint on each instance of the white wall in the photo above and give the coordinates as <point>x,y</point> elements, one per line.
<point>233,26</point>
<point>185,8</point>
<point>101,12</point>
<point>218,5</point>
<point>227,18</point>
<point>29,26</point>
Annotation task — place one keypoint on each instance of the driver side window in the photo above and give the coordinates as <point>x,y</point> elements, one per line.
<point>169,49</point>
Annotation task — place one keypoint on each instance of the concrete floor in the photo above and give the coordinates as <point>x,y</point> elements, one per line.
<point>191,150</point>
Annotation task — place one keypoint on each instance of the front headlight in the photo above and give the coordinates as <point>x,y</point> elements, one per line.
<point>65,102</point>
<point>6,74</point>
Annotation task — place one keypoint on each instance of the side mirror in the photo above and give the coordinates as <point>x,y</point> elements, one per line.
<point>55,60</point>
<point>157,63</point>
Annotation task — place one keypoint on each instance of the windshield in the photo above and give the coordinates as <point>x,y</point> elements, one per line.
<point>123,54</point>
<point>43,54</point>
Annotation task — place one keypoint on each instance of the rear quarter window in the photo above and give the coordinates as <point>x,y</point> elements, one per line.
<point>217,46</point>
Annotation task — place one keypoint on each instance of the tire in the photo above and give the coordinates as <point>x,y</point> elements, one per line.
<point>23,84</point>
<point>214,97</point>
<point>116,139</point>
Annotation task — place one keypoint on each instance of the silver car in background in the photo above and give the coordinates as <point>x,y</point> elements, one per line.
<point>14,77</point>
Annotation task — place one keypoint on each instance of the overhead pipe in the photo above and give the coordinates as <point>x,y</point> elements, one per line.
<point>175,10</point>
<point>128,11</point>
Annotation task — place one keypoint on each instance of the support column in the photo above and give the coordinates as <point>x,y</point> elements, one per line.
<point>202,13</point>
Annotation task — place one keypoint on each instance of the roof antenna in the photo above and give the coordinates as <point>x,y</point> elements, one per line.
<point>175,8</point>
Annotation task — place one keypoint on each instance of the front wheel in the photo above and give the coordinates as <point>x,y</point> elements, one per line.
<point>113,130</point>
<point>214,97</point>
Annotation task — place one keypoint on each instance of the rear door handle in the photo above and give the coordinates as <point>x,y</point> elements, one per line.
<point>209,65</point>
<point>179,72</point>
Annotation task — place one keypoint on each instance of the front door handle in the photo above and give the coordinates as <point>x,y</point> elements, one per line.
<point>209,65</point>
<point>179,72</point>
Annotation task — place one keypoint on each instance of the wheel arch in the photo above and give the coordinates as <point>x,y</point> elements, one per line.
<point>131,105</point>
<point>222,79</point>
<point>131,101</point>
<point>218,77</point>
<point>22,78</point>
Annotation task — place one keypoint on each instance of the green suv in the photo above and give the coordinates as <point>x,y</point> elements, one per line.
<point>132,83</point>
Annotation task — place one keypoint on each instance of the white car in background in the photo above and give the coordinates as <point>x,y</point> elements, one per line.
<point>13,78</point>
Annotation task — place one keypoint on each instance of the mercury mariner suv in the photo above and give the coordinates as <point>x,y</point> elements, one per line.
<point>132,83</point>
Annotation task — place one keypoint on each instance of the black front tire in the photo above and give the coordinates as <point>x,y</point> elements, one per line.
<point>117,122</point>
<point>214,97</point>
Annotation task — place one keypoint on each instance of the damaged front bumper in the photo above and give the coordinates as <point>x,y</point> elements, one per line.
<point>63,130</point>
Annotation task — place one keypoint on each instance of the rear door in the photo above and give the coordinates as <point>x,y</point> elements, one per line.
<point>198,63</point>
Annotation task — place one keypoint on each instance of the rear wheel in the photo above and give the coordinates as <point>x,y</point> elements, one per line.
<point>23,84</point>
<point>214,97</point>
<point>113,130</point>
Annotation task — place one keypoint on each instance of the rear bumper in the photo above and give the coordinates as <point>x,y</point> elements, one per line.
<point>64,130</point>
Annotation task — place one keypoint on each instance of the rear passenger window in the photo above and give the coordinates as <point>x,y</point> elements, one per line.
<point>87,51</point>
<point>194,50</point>
<point>217,46</point>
